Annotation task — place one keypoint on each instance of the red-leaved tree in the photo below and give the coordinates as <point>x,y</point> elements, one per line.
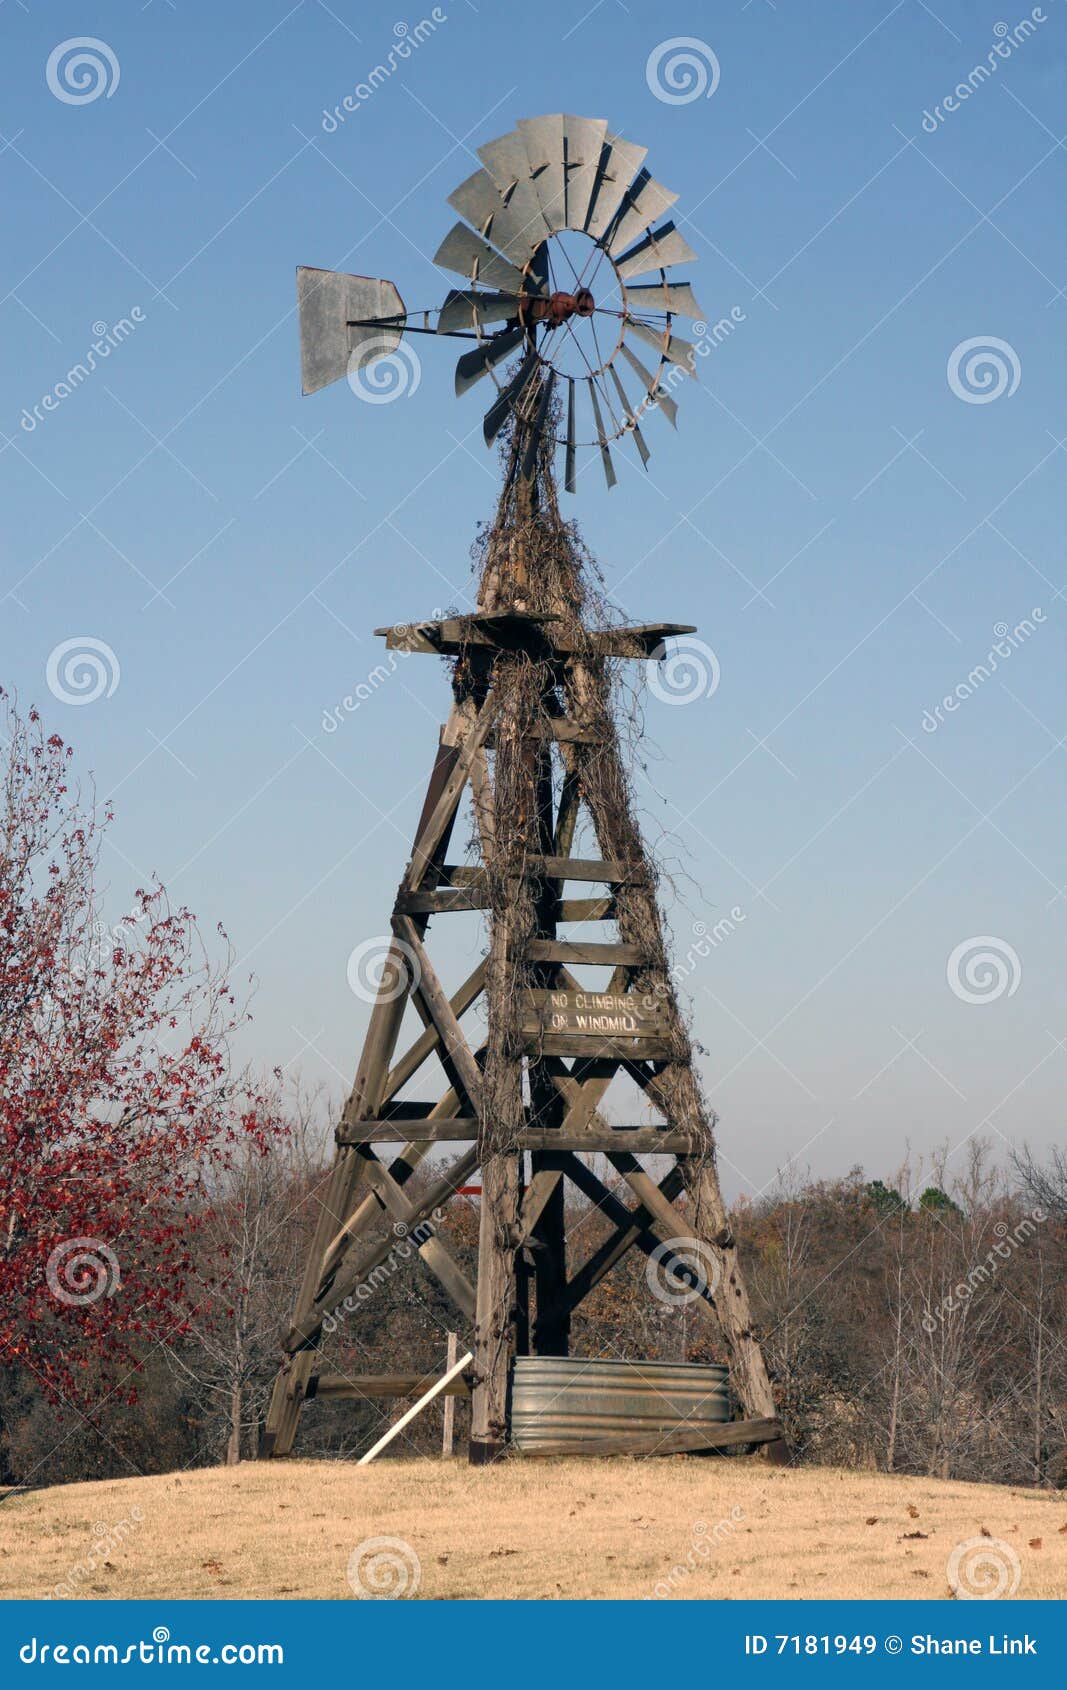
<point>118,1110</point>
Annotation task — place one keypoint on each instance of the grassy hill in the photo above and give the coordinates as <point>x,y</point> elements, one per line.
<point>666,1527</point>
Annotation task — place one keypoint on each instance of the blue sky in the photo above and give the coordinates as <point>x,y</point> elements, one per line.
<point>845,528</point>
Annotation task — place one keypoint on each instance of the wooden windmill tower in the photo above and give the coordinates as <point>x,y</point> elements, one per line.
<point>532,738</point>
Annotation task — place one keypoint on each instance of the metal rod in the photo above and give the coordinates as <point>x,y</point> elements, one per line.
<point>409,328</point>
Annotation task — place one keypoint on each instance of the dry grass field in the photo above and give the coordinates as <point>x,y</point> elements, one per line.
<point>659,1528</point>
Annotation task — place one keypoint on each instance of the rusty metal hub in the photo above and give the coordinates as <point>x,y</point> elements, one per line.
<point>558,309</point>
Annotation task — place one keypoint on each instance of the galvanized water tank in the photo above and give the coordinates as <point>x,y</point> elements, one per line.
<point>567,1399</point>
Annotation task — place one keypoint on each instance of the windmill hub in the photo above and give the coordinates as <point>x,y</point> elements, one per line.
<point>558,309</point>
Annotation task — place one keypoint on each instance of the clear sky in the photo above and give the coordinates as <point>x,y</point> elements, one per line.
<point>846,511</point>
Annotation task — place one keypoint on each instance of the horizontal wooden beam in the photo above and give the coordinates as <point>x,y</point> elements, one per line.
<point>374,1386</point>
<point>577,952</point>
<point>461,874</point>
<point>641,1048</point>
<point>639,1141</point>
<point>684,1441</point>
<point>586,909</point>
<point>612,872</point>
<point>452,635</point>
<point>443,901</point>
<point>461,1129</point>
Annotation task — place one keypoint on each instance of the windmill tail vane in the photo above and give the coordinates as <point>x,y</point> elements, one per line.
<point>565,263</point>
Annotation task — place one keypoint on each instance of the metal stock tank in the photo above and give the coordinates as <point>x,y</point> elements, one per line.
<point>567,1400</point>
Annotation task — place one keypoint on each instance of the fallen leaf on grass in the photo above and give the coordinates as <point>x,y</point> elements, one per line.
<point>872,1520</point>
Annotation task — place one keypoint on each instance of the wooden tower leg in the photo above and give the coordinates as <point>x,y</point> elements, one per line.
<point>495,1315</point>
<point>552,1326</point>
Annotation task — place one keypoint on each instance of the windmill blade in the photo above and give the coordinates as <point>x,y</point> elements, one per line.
<point>508,164</point>
<point>462,309</point>
<point>646,201</point>
<point>508,398</point>
<point>662,248</point>
<point>474,365</point>
<point>529,457</point>
<point>631,421</point>
<point>605,454</point>
<point>583,141</point>
<point>468,255</point>
<point>568,461</point>
<point>663,400</point>
<point>674,349</point>
<point>331,308</point>
<point>498,221</point>
<point>676,297</point>
<point>478,201</point>
<point>543,139</point>
<point>537,270</point>
<point>618,162</point>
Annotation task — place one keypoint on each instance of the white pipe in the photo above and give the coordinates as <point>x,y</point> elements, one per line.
<point>416,1408</point>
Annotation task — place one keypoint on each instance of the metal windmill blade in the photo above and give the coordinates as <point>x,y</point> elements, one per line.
<point>675,298</point>
<point>474,365</point>
<point>658,251</point>
<point>643,203</point>
<point>619,162</point>
<point>565,262</point>
<point>469,255</point>
<point>583,143</point>
<point>543,139</point>
<point>656,395</point>
<point>508,398</point>
<point>465,307</point>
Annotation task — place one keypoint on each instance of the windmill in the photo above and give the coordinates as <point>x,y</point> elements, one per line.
<point>563,254</point>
